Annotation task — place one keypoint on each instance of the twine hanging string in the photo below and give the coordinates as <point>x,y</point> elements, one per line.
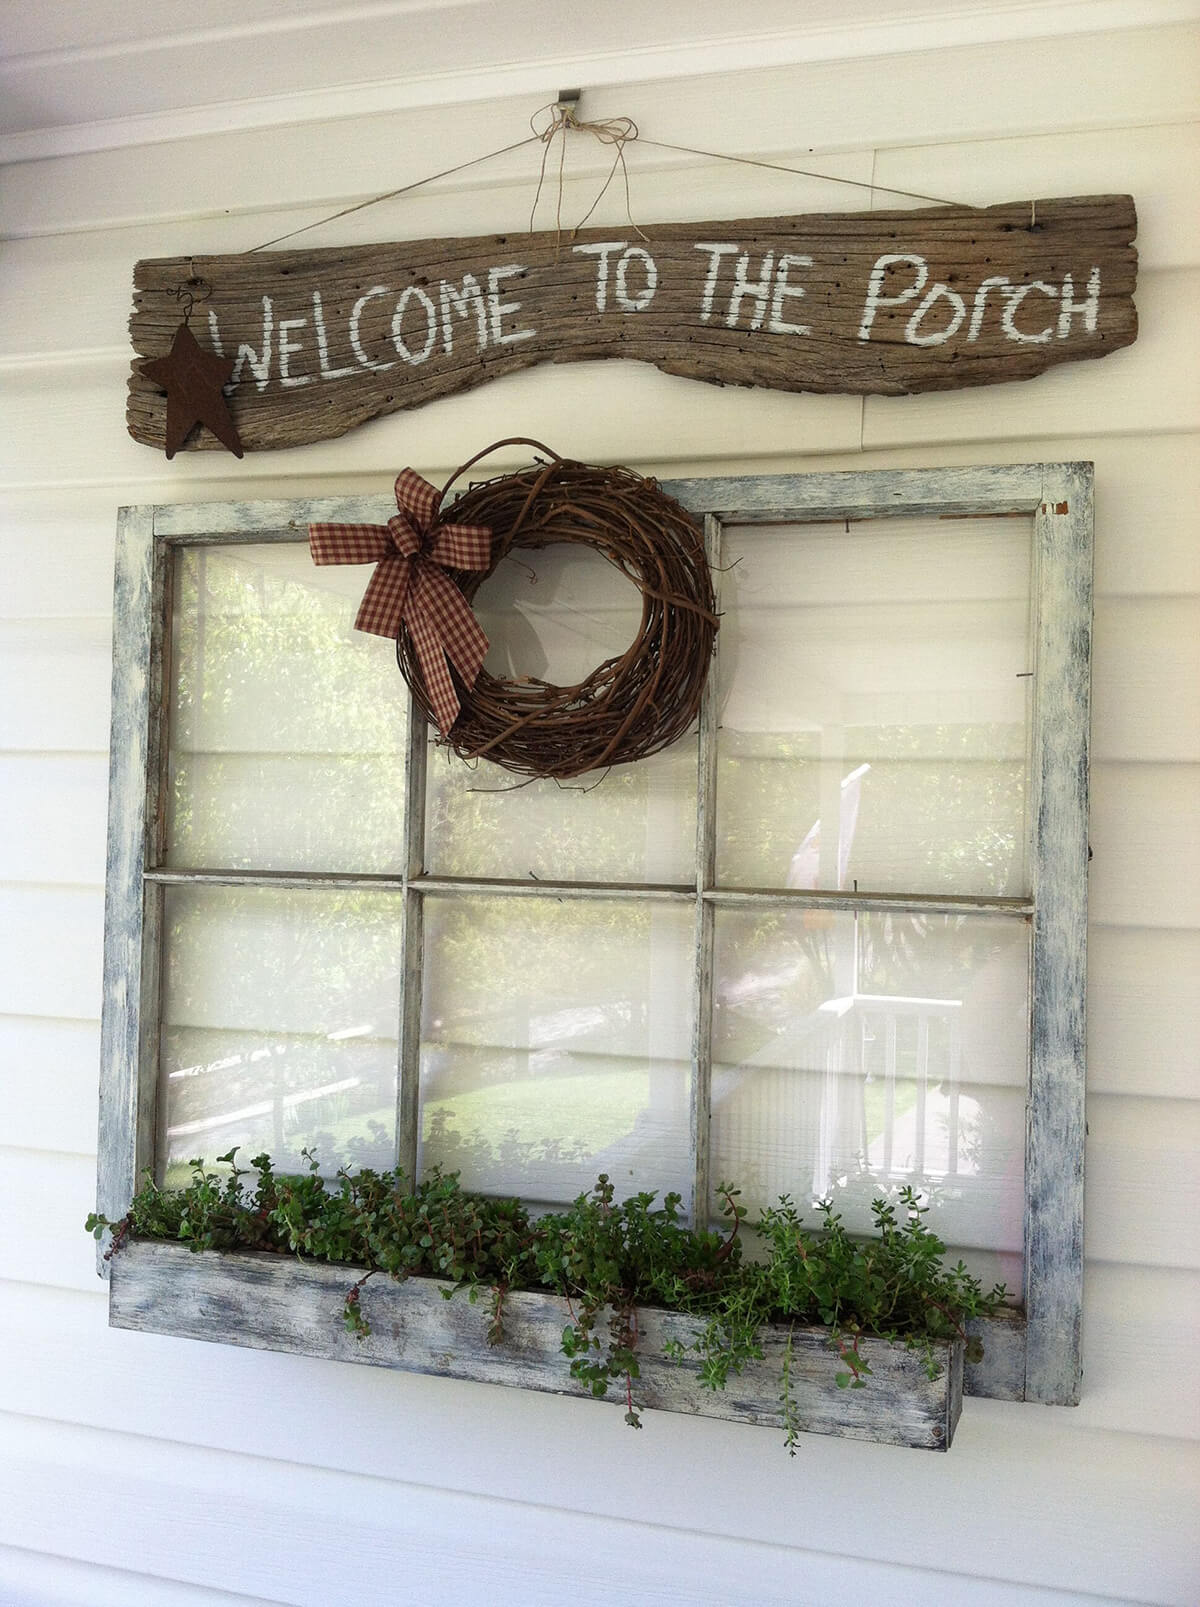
<point>391,195</point>
<point>622,131</point>
<point>801,172</point>
<point>615,131</point>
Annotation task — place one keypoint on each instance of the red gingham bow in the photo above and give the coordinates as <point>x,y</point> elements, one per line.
<point>411,554</point>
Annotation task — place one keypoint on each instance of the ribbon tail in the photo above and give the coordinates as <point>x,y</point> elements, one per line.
<point>444,631</point>
<point>383,604</point>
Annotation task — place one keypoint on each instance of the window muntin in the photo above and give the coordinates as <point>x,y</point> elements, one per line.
<point>851,1052</point>
<point>1036,1358</point>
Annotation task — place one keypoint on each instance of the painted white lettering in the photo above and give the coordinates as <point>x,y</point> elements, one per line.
<point>758,290</point>
<point>498,308</point>
<point>645,296</point>
<point>715,253</point>
<point>1013,299</point>
<point>776,323</point>
<point>431,325</point>
<point>464,298</point>
<point>323,343</point>
<point>260,362</point>
<point>287,347</point>
<point>214,335</point>
<point>1089,307</point>
<point>937,337</point>
<point>601,250</point>
<point>875,285</point>
<point>979,305</point>
<point>356,345</point>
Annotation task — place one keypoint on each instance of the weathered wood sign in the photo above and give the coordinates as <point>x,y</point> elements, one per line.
<point>878,303</point>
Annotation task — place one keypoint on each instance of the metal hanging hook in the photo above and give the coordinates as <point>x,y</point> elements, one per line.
<point>189,293</point>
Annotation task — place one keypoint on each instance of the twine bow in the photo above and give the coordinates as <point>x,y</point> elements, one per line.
<point>410,586</point>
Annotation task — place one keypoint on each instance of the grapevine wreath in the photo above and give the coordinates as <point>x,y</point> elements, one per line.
<point>432,561</point>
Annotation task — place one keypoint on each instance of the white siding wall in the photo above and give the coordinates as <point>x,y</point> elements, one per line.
<point>139,1470</point>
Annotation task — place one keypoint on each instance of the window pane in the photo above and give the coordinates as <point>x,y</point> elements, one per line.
<point>556,1044</point>
<point>874,706</point>
<point>855,1055</point>
<point>280,1020</point>
<point>287,724</point>
<point>638,822</point>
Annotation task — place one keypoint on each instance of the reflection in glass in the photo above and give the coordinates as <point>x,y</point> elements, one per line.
<point>280,1023</point>
<point>287,725</point>
<point>855,1054</point>
<point>874,706</point>
<point>556,1044</point>
<point>554,615</point>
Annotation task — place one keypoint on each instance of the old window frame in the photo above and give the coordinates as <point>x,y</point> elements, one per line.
<point>1033,1353</point>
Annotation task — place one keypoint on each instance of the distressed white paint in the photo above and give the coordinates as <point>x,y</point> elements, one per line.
<point>379,1475</point>
<point>259,1300</point>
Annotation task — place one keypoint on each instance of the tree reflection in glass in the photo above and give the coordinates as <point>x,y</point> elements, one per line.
<point>287,724</point>
<point>280,1026</point>
<point>556,1044</point>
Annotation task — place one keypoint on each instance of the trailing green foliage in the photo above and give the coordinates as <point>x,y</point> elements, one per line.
<point>606,1258</point>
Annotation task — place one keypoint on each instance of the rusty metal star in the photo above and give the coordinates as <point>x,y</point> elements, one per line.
<point>192,379</point>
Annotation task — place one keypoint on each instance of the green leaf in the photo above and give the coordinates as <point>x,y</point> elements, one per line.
<point>611,1258</point>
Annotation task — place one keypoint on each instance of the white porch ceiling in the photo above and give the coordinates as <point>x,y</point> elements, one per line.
<point>81,75</point>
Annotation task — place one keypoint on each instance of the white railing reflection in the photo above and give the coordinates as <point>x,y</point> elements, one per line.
<point>913,1044</point>
<point>865,1084</point>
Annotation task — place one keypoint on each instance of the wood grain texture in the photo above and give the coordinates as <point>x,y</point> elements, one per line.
<point>368,1479</point>
<point>700,1112</point>
<point>882,303</point>
<point>1000,1373</point>
<point>1055,1123</point>
<point>126,1133</point>
<point>411,958</point>
<point>271,1302</point>
<point>858,494</point>
<point>956,492</point>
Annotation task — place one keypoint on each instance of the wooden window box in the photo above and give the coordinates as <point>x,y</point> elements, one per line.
<point>273,1302</point>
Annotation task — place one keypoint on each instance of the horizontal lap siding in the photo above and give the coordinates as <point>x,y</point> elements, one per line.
<point>56,1060</point>
<point>600,1527</point>
<point>35,1579</point>
<point>591,409</point>
<point>1034,1505</point>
